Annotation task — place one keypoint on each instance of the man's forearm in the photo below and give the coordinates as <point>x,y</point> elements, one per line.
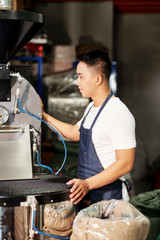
<point>114,171</point>
<point>66,130</point>
<point>104,178</point>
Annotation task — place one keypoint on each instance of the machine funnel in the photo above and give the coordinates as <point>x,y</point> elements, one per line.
<point>17,28</point>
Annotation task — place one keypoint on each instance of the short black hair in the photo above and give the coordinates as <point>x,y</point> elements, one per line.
<point>95,57</point>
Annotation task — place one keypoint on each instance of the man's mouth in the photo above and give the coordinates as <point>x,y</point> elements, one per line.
<point>80,89</point>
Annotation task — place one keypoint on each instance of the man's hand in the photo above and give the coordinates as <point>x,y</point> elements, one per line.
<point>79,190</point>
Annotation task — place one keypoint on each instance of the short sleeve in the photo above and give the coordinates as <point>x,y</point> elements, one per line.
<point>122,131</point>
<point>79,122</point>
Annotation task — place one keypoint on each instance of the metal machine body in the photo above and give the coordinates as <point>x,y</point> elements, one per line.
<point>17,156</point>
<point>16,130</point>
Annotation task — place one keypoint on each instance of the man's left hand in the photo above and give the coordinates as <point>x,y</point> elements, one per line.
<point>79,190</point>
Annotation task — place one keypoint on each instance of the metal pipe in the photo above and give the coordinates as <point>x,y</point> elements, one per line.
<point>19,78</point>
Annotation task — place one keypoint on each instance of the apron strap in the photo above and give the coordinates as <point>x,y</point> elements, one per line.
<point>100,110</point>
<point>84,118</point>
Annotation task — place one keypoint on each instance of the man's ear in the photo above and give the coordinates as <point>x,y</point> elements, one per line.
<point>99,79</point>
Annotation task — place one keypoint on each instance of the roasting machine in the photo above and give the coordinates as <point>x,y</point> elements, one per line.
<point>23,186</point>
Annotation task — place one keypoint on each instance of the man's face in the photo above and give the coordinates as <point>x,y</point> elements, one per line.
<point>86,80</point>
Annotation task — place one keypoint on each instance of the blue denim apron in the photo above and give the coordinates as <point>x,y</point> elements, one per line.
<point>90,165</point>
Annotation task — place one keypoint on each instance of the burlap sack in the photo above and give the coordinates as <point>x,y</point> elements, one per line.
<point>58,218</point>
<point>114,219</point>
<point>51,231</point>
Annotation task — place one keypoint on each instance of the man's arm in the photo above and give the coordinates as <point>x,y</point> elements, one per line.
<point>66,130</point>
<point>123,165</point>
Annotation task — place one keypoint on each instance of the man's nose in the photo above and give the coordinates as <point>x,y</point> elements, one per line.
<point>77,81</point>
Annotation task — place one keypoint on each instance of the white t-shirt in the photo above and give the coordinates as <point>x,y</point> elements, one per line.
<point>113,130</point>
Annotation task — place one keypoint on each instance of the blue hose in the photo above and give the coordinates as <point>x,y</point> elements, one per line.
<point>41,165</point>
<point>65,156</point>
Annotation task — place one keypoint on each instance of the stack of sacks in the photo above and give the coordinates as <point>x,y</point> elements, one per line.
<point>111,220</point>
<point>58,218</point>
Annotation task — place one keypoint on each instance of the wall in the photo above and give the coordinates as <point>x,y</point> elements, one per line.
<point>72,22</point>
<point>137,51</point>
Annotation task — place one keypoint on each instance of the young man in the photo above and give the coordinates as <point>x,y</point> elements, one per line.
<point>106,134</point>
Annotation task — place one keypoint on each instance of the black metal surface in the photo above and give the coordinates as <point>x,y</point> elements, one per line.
<point>24,70</point>
<point>5,83</point>
<point>17,28</point>
<point>46,188</point>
